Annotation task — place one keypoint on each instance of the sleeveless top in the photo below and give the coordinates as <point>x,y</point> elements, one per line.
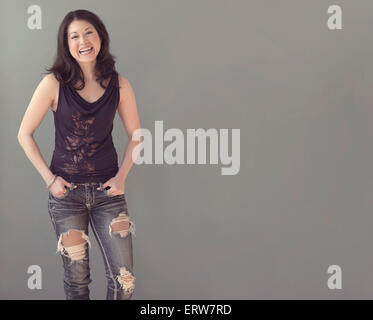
<point>84,149</point>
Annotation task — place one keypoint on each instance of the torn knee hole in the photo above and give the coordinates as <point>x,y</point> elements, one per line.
<point>122,225</point>
<point>72,244</point>
<point>126,280</point>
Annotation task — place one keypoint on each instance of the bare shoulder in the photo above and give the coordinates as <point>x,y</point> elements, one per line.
<point>50,80</point>
<point>122,81</point>
<point>51,84</point>
<point>125,87</point>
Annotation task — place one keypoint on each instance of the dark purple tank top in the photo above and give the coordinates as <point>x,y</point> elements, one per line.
<point>84,149</point>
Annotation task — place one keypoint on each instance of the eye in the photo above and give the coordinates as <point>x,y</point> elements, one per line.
<point>86,33</point>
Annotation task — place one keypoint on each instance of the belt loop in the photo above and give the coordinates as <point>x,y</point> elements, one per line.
<point>72,186</point>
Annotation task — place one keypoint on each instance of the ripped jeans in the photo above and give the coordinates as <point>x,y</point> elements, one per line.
<point>110,222</point>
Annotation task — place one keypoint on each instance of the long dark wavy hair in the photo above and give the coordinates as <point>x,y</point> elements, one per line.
<point>66,69</point>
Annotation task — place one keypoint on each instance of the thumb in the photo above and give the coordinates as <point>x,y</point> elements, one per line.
<point>104,185</point>
<point>66,183</point>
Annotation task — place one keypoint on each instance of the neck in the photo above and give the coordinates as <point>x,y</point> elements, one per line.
<point>88,71</point>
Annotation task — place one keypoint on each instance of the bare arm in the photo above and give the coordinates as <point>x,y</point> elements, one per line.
<point>40,103</point>
<point>127,110</point>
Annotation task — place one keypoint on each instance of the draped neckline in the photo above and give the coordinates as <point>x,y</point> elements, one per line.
<point>81,99</point>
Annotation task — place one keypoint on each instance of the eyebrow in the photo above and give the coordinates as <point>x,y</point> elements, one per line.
<point>76,32</point>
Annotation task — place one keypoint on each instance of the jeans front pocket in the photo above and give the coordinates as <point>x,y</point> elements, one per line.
<point>67,191</point>
<point>112,196</point>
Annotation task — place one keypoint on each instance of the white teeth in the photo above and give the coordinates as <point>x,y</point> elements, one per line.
<point>85,51</point>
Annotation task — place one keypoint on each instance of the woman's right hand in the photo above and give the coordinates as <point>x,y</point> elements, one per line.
<point>58,186</point>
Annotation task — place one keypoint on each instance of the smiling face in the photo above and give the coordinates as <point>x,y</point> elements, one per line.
<point>82,35</point>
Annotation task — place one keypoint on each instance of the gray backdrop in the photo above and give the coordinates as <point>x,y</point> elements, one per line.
<point>301,95</point>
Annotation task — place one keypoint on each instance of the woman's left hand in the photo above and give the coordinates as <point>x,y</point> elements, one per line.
<point>116,186</point>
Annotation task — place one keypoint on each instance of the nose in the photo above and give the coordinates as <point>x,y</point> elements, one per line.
<point>82,40</point>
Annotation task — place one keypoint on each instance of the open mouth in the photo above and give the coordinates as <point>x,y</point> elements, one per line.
<point>86,51</point>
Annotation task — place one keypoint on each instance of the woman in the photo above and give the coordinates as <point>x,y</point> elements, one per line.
<point>84,181</point>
